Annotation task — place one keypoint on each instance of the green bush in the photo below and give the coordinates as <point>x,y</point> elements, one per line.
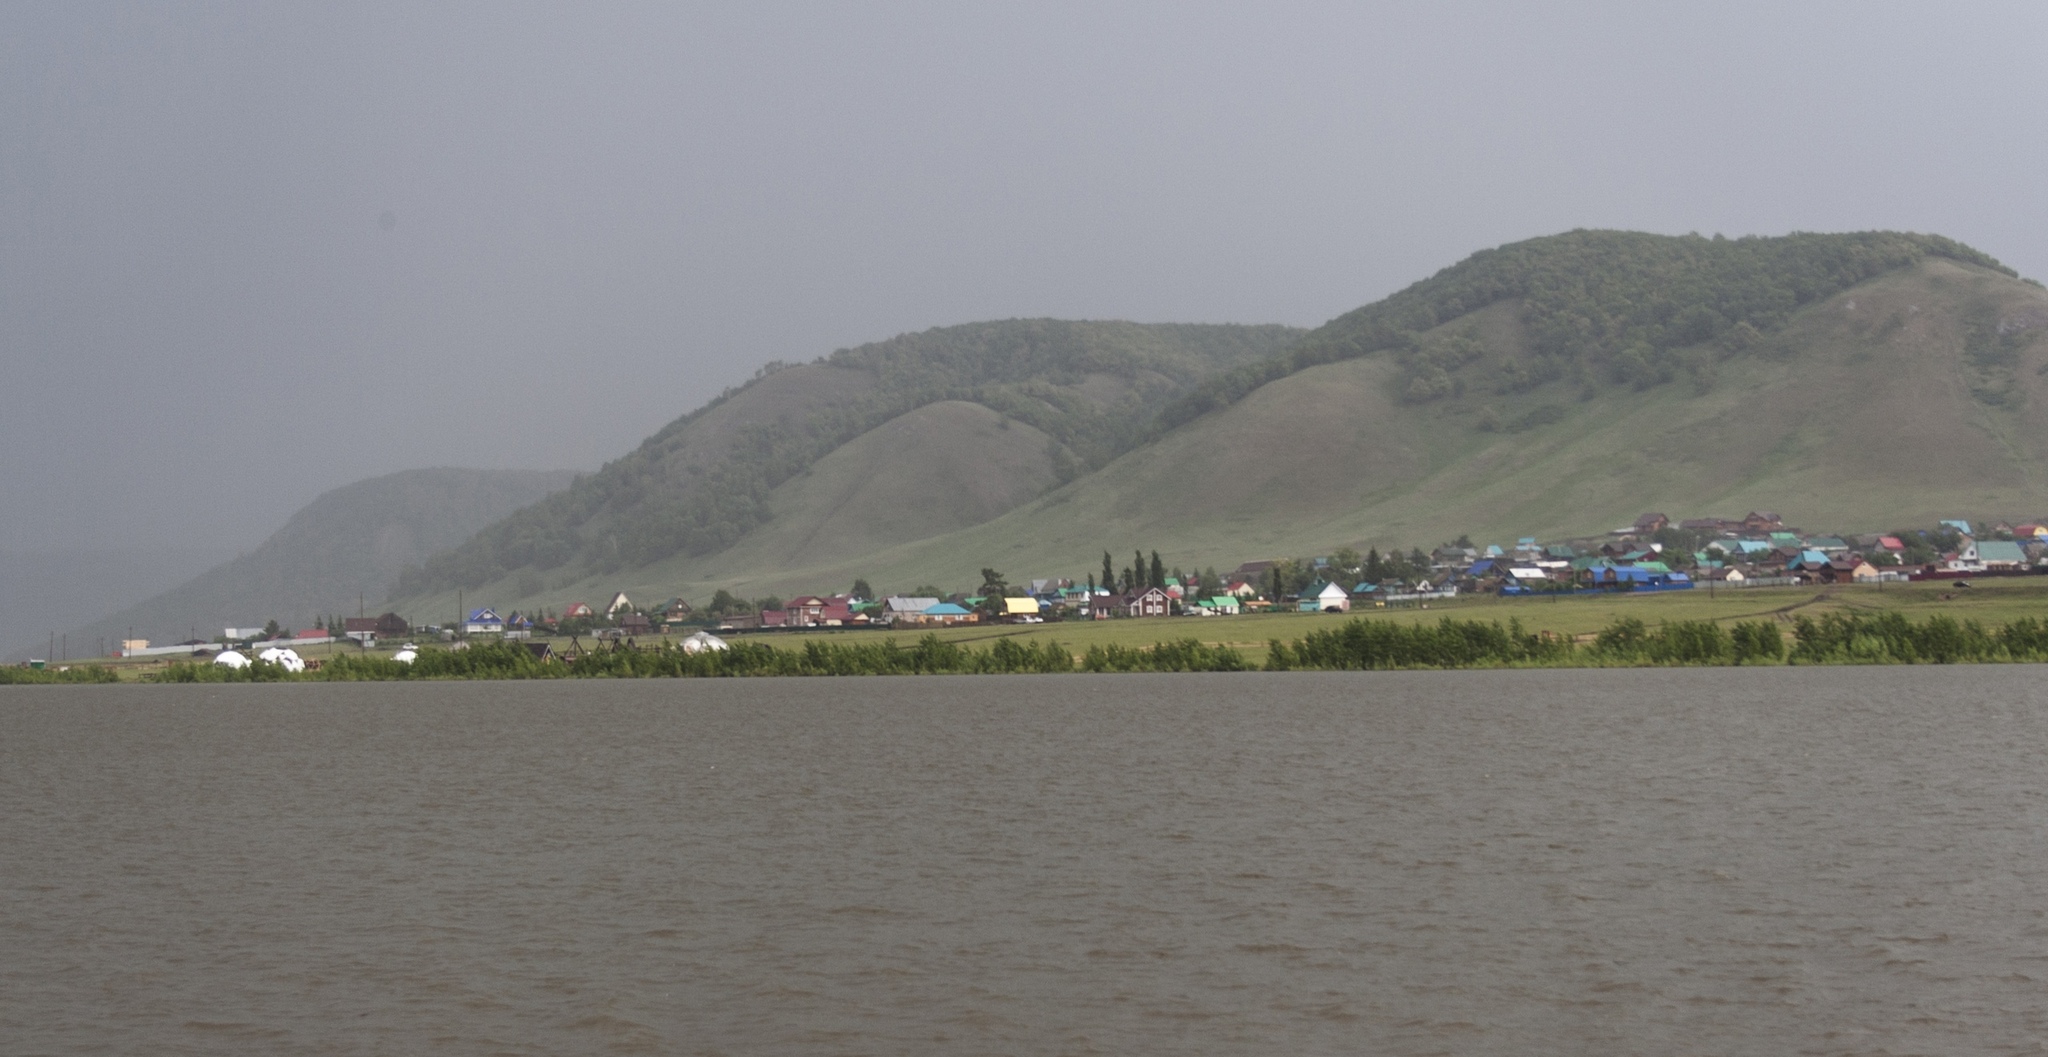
<point>77,673</point>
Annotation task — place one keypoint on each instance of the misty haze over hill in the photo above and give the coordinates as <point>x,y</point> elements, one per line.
<point>250,253</point>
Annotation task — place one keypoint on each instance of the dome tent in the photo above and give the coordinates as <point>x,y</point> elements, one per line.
<point>702,641</point>
<point>289,660</point>
<point>231,659</point>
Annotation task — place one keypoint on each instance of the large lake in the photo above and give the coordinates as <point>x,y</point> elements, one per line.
<point>1847,860</point>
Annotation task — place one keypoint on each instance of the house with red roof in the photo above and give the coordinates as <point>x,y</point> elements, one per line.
<point>806,611</point>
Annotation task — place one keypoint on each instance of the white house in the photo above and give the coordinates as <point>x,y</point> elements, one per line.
<point>905,608</point>
<point>1326,597</point>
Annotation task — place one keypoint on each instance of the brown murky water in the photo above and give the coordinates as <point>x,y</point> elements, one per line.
<point>1660,862</point>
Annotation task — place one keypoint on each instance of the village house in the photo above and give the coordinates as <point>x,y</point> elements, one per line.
<point>806,611</point>
<point>1323,597</point>
<point>1761,522</point>
<point>947,614</point>
<point>2000,554</point>
<point>901,609</point>
<point>1151,602</point>
<point>362,630</point>
<point>484,622</point>
<point>1253,572</point>
<point>1022,610</point>
<point>619,604</point>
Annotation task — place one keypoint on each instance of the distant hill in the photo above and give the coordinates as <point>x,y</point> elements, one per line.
<point>349,541</point>
<point>1551,387</point>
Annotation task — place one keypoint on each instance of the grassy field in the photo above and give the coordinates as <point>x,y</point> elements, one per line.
<point>1992,602</point>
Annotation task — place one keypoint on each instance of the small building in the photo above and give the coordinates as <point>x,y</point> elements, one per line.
<point>362,630</point>
<point>1762,521</point>
<point>2001,554</point>
<point>905,609</point>
<point>636,625</point>
<point>484,622</point>
<point>806,611</point>
<point>1651,524</point>
<point>1253,572</point>
<point>947,614</point>
<point>1151,602</point>
<point>1022,610</point>
<point>578,609</point>
<point>619,604</point>
<point>1324,597</point>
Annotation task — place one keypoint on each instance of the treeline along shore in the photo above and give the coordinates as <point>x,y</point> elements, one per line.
<point>1356,645</point>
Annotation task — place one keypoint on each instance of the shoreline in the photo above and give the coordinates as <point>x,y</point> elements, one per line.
<point>1358,644</point>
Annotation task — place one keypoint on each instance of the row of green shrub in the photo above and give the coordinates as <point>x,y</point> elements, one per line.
<point>1891,638</point>
<point>930,655</point>
<point>77,673</point>
<point>1840,638</point>
<point>1376,644</point>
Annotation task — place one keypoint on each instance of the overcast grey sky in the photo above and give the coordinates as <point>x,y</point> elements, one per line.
<point>249,252</point>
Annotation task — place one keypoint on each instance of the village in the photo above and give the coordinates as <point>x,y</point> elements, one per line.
<point>1653,554</point>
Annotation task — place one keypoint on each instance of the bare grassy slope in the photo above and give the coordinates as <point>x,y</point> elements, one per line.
<point>1852,382</point>
<point>1869,410</point>
<point>939,469</point>
<point>709,480</point>
<point>1896,402</point>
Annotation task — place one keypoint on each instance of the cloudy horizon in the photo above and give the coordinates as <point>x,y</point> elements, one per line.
<point>250,253</point>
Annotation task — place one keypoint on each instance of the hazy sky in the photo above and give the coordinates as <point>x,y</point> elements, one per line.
<point>249,252</point>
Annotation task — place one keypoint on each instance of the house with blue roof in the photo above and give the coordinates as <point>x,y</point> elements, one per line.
<point>484,622</point>
<point>947,614</point>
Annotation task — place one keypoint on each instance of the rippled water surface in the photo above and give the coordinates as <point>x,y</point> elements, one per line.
<point>1739,862</point>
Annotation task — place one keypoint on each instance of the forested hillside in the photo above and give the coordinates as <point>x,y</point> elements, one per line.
<point>704,481</point>
<point>1596,307</point>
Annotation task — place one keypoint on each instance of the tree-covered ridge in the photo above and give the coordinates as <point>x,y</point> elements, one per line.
<point>1599,304</point>
<point>1092,386</point>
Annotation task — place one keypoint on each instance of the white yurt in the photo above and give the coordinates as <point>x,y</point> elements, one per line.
<point>702,641</point>
<point>289,660</point>
<point>406,656</point>
<point>231,659</point>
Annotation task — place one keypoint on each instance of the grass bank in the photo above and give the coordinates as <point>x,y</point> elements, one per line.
<point>1357,644</point>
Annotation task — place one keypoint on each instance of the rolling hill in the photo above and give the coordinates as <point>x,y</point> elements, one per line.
<point>348,543</point>
<point>1556,386</point>
<point>900,429</point>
